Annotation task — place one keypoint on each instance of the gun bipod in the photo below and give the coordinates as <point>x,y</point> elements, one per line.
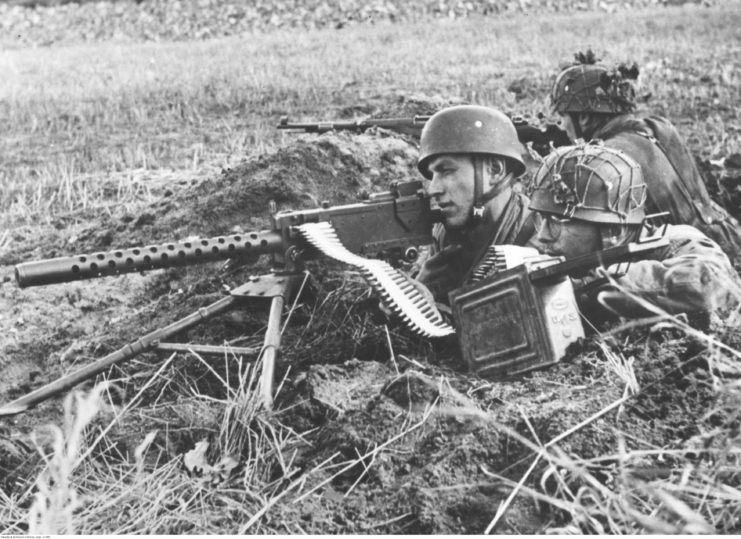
<point>274,286</point>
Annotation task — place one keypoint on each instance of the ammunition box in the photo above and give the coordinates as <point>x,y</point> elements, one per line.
<point>508,324</point>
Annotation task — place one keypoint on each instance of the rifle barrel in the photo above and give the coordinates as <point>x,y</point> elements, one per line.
<point>354,125</point>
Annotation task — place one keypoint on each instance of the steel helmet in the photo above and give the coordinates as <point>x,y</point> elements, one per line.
<point>470,129</point>
<point>590,182</point>
<point>592,88</point>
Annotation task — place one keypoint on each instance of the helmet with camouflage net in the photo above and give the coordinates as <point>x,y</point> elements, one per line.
<point>470,129</point>
<point>590,182</point>
<point>592,88</point>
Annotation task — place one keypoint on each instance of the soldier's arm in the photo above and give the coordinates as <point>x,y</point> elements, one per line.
<point>694,275</point>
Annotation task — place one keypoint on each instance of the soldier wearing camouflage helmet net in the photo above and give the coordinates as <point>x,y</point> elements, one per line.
<point>591,197</point>
<point>472,157</point>
<point>598,103</point>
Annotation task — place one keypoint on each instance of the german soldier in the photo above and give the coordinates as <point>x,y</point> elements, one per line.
<point>591,197</point>
<point>472,157</point>
<point>596,103</point>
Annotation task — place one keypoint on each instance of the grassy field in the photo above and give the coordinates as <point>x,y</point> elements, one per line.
<point>101,125</point>
<point>72,117</point>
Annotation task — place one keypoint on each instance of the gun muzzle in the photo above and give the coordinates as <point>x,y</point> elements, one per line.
<point>166,255</point>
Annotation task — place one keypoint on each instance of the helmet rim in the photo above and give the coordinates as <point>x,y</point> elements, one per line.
<point>470,130</point>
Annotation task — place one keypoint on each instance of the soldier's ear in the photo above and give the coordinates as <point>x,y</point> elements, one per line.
<point>496,168</point>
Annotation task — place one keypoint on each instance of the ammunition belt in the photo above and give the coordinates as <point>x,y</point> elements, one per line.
<point>499,258</point>
<point>394,287</point>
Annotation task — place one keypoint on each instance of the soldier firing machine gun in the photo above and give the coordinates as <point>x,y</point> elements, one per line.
<point>389,225</point>
<point>543,138</point>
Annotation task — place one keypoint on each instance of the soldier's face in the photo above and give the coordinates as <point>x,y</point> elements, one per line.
<point>452,188</point>
<point>567,124</point>
<point>569,237</point>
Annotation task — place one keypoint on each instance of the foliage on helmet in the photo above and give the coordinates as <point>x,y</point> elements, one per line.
<point>590,182</point>
<point>588,86</point>
<point>585,57</point>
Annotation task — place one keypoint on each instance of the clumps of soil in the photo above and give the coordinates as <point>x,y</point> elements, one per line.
<point>450,429</point>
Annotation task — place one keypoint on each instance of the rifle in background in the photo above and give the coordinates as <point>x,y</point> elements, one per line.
<point>543,139</point>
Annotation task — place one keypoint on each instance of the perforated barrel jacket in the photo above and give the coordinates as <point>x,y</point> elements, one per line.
<point>673,180</point>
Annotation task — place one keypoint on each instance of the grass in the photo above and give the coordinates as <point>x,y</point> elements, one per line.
<point>689,490</point>
<point>247,467</point>
<point>79,490</point>
<point>73,117</point>
<point>99,126</point>
<point>84,488</point>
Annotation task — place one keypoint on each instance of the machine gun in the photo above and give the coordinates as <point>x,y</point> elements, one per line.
<point>543,138</point>
<point>520,314</point>
<point>388,225</point>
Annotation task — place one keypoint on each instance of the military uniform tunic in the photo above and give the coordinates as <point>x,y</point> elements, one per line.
<point>513,227</point>
<point>690,275</point>
<point>673,181</point>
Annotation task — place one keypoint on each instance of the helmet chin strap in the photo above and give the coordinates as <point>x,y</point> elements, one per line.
<point>479,197</point>
<point>478,188</point>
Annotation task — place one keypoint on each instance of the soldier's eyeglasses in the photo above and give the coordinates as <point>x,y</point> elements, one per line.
<point>552,224</point>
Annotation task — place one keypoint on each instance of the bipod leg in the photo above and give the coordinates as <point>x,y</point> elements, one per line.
<point>277,287</point>
<point>270,351</point>
<point>148,342</point>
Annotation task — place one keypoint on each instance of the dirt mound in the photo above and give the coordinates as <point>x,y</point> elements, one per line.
<point>47,328</point>
<point>436,476</point>
<point>337,168</point>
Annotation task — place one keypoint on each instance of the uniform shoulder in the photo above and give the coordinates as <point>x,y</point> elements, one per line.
<point>622,124</point>
<point>681,232</point>
<point>687,239</point>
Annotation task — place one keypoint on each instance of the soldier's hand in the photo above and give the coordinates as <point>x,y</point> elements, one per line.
<point>438,272</point>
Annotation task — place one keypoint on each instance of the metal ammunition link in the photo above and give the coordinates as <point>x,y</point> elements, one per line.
<point>395,288</point>
<point>501,257</point>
